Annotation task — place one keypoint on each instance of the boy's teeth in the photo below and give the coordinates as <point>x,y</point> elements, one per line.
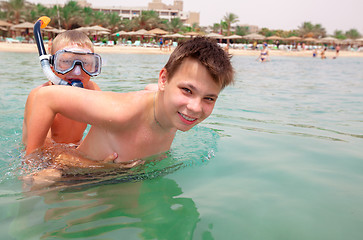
<point>187,118</point>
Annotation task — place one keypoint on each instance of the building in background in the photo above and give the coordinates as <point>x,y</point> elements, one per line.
<point>165,11</point>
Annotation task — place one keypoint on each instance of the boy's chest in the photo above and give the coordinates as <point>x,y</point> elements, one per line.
<point>139,144</point>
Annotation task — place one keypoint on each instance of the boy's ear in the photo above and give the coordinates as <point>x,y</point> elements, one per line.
<point>163,79</point>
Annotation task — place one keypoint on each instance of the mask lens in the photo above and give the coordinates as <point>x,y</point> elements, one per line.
<point>64,61</point>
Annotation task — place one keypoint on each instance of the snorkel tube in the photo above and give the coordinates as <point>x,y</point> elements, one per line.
<point>42,22</point>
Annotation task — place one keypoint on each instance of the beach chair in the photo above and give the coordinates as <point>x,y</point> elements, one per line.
<point>136,43</point>
<point>12,40</point>
<point>175,44</point>
<point>110,43</point>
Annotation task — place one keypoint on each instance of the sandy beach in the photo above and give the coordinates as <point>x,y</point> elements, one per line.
<point>118,49</point>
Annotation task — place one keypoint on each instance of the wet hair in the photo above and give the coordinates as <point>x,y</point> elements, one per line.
<point>71,37</point>
<point>209,54</point>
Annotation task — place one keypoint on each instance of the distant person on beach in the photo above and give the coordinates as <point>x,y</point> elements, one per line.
<point>68,46</point>
<point>161,43</point>
<point>277,44</point>
<point>322,54</point>
<point>139,124</point>
<point>337,49</point>
<point>264,54</point>
<point>315,52</point>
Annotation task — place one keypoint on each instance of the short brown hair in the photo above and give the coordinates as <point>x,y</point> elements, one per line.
<point>209,54</point>
<point>72,37</point>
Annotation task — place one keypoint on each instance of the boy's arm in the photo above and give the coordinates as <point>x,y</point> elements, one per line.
<point>28,110</point>
<point>103,109</point>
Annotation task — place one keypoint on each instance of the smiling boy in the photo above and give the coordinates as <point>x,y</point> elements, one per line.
<point>139,124</point>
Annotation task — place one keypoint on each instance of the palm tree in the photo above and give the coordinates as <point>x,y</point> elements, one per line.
<point>242,30</point>
<point>147,20</point>
<point>339,34</point>
<point>113,21</point>
<point>230,18</point>
<point>88,16</point>
<point>175,25</point>
<point>307,29</point>
<point>216,27</point>
<point>15,10</point>
<point>352,34</point>
<point>71,15</point>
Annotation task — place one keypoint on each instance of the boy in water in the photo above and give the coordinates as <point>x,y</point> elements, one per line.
<point>139,124</point>
<point>70,45</point>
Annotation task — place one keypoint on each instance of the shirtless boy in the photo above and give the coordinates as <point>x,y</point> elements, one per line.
<point>70,45</point>
<point>139,124</point>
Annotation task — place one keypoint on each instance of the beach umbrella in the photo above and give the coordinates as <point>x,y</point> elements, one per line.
<point>142,31</point>
<point>83,29</point>
<point>176,35</point>
<point>293,38</point>
<point>120,33</point>
<point>328,40</point>
<point>98,29</point>
<point>193,34</point>
<point>24,25</point>
<point>5,24</point>
<point>347,41</point>
<point>157,31</point>
<point>214,35</point>
<point>359,40</point>
<point>310,39</point>
<point>234,36</point>
<point>254,36</point>
<point>274,37</point>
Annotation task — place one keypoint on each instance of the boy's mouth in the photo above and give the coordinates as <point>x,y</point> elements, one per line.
<point>75,82</point>
<point>186,119</point>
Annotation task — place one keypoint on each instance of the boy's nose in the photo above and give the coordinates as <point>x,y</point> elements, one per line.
<point>77,70</point>
<point>195,105</point>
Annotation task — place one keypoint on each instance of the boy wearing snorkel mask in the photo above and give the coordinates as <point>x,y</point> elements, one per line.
<point>139,124</point>
<point>74,62</point>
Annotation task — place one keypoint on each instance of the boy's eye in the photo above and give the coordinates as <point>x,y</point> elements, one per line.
<point>186,90</point>
<point>210,99</point>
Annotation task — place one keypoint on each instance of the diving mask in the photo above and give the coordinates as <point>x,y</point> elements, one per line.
<point>64,61</point>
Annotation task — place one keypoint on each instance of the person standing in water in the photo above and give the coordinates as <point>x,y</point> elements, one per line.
<point>139,124</point>
<point>264,54</point>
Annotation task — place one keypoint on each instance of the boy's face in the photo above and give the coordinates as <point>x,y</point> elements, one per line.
<point>189,96</point>
<point>77,73</point>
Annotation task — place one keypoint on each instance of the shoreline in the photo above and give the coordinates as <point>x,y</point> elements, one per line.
<point>31,47</point>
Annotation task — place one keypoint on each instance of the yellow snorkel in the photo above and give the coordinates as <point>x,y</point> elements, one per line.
<point>42,22</point>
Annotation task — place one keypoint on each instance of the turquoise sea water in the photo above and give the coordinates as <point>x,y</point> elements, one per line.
<point>280,158</point>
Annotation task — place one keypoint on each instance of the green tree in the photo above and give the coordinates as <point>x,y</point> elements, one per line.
<point>242,30</point>
<point>88,16</point>
<point>339,34</point>
<point>229,19</point>
<point>216,27</point>
<point>15,10</point>
<point>147,20</point>
<point>307,29</point>
<point>352,34</point>
<point>175,25</point>
<point>71,15</point>
<point>113,21</point>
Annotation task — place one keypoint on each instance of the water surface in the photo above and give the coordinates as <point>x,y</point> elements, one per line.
<point>280,158</point>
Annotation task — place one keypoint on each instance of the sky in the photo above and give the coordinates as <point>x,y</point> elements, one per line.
<point>273,14</point>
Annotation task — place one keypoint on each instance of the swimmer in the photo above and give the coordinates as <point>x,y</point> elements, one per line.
<point>139,124</point>
<point>264,55</point>
<point>75,62</point>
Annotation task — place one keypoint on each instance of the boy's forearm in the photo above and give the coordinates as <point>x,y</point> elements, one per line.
<point>39,121</point>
